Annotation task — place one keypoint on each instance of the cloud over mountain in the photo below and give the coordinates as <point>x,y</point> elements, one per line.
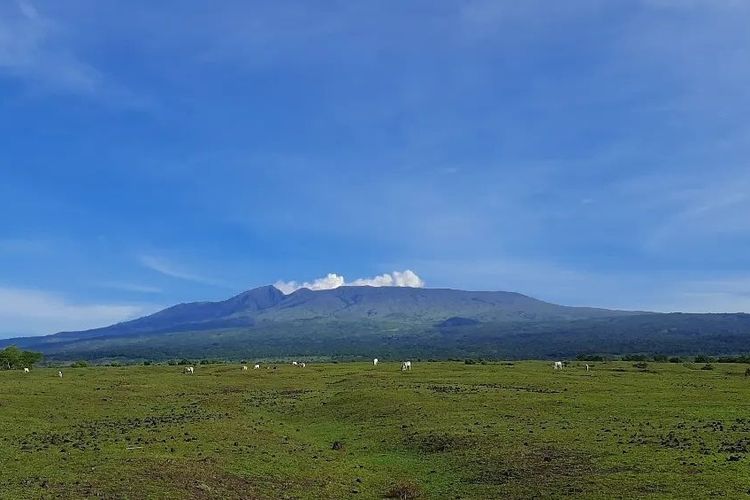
<point>405,278</point>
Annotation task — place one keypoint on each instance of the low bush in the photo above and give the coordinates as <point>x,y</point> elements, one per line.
<point>404,490</point>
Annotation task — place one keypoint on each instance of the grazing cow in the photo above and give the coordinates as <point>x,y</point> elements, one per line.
<point>294,363</point>
<point>256,367</point>
<point>406,366</point>
<point>587,367</point>
<point>59,374</point>
<point>26,370</point>
<point>375,362</point>
<point>558,365</point>
<point>302,365</point>
<point>244,368</point>
<point>189,370</point>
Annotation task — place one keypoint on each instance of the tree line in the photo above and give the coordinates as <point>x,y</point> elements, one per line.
<point>13,358</point>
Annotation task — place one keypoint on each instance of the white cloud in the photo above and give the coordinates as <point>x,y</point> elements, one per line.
<point>26,312</point>
<point>405,278</point>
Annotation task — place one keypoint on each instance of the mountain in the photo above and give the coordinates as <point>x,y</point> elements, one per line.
<point>359,321</point>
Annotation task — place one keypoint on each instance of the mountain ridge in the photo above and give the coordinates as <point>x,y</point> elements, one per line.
<point>268,303</point>
<point>352,321</point>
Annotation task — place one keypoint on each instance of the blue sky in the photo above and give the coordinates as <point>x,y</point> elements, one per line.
<point>583,152</point>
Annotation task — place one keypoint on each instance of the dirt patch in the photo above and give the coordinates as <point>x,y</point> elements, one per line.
<point>133,430</point>
<point>204,481</point>
<point>539,469</point>
<point>450,389</point>
<point>521,388</point>
<point>438,442</point>
<point>283,399</point>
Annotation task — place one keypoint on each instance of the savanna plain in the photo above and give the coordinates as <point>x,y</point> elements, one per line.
<point>354,430</point>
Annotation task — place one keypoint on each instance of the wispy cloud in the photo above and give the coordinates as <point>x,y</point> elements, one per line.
<point>33,312</point>
<point>405,278</point>
<point>41,52</point>
<point>32,48</point>
<point>167,268</point>
<point>130,287</point>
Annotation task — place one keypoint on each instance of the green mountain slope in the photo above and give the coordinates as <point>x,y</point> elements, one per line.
<point>398,322</point>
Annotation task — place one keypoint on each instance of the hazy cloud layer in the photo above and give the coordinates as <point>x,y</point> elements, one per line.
<point>35,312</point>
<point>405,278</point>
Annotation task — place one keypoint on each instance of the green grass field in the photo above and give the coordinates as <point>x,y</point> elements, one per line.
<point>444,430</point>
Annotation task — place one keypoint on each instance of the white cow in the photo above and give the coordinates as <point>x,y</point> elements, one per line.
<point>558,365</point>
<point>189,370</point>
<point>406,366</point>
<point>244,368</point>
<point>26,370</point>
<point>302,365</point>
<point>256,366</point>
<point>294,363</point>
<point>587,367</point>
<point>59,374</point>
<point>375,362</point>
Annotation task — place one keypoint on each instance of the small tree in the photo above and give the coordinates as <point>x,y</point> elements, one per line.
<point>10,357</point>
<point>14,358</point>
<point>29,358</point>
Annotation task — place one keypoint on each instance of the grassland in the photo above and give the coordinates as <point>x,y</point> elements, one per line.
<point>351,430</point>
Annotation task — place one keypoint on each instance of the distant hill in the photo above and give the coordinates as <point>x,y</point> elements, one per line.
<point>397,321</point>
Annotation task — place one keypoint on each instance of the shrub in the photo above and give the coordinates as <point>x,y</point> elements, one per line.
<point>404,490</point>
<point>172,362</point>
<point>660,358</point>
<point>734,359</point>
<point>674,360</point>
<point>147,363</point>
<point>79,364</point>
<point>634,357</point>
<point>590,357</point>
<point>183,361</point>
<point>205,362</point>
